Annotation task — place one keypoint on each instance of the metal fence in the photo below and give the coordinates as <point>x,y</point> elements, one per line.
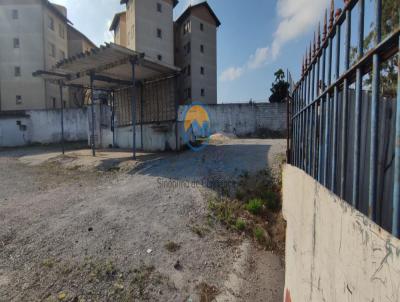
<point>345,129</point>
<point>156,102</point>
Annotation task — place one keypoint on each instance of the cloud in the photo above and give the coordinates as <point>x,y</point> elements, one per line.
<point>108,35</point>
<point>231,74</point>
<point>296,18</point>
<point>259,58</point>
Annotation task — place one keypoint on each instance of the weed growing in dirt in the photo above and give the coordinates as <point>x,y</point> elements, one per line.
<point>240,224</point>
<point>255,211</point>
<point>207,292</point>
<point>199,230</point>
<point>172,247</point>
<point>259,234</point>
<point>225,210</point>
<point>254,206</point>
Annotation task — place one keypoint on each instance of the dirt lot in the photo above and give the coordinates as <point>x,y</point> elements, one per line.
<point>117,230</point>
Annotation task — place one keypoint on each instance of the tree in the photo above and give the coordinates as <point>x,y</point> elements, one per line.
<point>389,69</point>
<point>280,88</point>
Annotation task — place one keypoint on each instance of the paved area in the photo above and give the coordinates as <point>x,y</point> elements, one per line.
<point>69,233</point>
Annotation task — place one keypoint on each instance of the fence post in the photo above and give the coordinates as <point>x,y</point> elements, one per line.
<point>373,160</point>
<point>396,189</point>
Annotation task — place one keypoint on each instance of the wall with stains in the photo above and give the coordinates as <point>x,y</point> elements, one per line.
<point>334,252</point>
<point>42,127</point>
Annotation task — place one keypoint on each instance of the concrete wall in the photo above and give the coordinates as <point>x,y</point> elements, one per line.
<point>247,119</point>
<point>42,126</point>
<point>156,137</point>
<point>333,252</point>
<point>244,120</point>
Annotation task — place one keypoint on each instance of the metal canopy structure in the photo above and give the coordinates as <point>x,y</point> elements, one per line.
<point>110,67</point>
<point>111,64</point>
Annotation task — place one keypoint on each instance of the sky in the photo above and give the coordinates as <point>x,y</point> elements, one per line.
<point>256,38</point>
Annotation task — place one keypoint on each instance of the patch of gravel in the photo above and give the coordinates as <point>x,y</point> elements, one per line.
<point>72,235</point>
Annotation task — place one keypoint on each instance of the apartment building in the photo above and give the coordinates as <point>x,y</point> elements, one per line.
<point>118,25</point>
<point>189,43</point>
<point>148,27</point>
<point>196,53</point>
<point>33,36</point>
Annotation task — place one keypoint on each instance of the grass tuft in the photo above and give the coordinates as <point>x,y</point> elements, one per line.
<point>172,247</point>
<point>254,206</point>
<point>240,224</point>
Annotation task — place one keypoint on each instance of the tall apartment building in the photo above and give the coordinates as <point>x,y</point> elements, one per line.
<point>33,36</point>
<point>189,43</point>
<point>196,53</point>
<point>148,26</point>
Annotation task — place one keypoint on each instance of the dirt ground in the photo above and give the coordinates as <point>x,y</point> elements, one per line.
<point>75,228</point>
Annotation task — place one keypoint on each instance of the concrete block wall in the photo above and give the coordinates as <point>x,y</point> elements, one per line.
<point>42,126</point>
<point>334,252</point>
<point>246,120</point>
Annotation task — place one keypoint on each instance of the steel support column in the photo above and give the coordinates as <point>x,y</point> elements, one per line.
<point>62,117</point>
<point>92,140</point>
<point>133,108</point>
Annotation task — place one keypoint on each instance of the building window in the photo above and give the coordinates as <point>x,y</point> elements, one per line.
<point>202,48</point>
<point>201,26</point>
<point>186,27</point>
<point>17,71</point>
<point>51,23</point>
<point>16,43</point>
<point>189,93</point>
<point>203,92</point>
<point>54,102</point>
<point>159,33</point>
<point>61,31</point>
<point>202,70</point>
<point>159,57</point>
<point>62,54</point>
<point>52,50</point>
<point>159,7</point>
<point>189,71</point>
<point>18,99</point>
<point>15,14</point>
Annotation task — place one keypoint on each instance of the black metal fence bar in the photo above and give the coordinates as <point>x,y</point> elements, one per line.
<point>326,113</point>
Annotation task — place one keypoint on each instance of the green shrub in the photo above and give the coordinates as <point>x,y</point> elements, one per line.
<point>259,234</point>
<point>271,200</point>
<point>254,206</point>
<point>240,224</point>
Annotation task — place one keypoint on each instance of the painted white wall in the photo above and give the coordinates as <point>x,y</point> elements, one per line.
<point>334,252</point>
<point>43,126</point>
<point>245,119</point>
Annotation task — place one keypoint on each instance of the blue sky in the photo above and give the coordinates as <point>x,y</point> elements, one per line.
<point>256,38</point>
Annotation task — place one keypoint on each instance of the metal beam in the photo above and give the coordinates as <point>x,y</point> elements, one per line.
<point>103,78</point>
<point>62,117</point>
<point>92,140</point>
<point>133,62</point>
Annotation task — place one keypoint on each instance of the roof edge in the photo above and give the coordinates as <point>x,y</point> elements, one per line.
<point>190,7</point>
<point>115,20</point>
<point>175,2</point>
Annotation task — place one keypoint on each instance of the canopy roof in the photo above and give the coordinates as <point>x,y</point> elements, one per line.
<point>111,64</point>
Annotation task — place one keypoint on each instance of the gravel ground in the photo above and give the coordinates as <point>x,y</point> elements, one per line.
<point>76,235</point>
